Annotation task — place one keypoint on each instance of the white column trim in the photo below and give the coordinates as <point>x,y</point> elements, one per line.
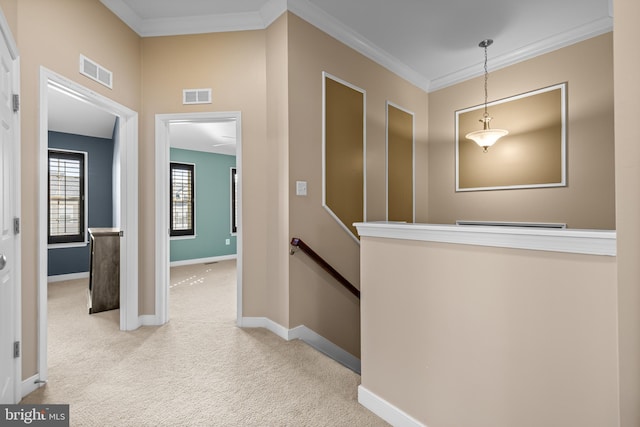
<point>587,242</point>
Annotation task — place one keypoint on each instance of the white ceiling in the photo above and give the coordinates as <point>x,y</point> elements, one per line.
<point>431,43</point>
<point>72,115</point>
<point>215,136</point>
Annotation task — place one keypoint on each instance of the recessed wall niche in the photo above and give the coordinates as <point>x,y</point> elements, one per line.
<point>532,155</point>
<point>343,152</point>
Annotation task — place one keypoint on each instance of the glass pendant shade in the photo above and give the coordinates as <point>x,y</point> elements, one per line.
<point>487,137</point>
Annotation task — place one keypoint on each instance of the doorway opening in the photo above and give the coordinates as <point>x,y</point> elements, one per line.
<point>125,200</point>
<point>164,124</point>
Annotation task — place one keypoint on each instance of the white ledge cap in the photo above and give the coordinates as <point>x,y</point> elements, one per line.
<point>589,242</point>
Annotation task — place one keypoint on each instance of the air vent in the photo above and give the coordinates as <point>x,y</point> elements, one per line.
<point>196,96</point>
<point>96,72</point>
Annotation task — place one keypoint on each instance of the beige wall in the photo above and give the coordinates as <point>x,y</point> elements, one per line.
<point>281,108</point>
<point>627,107</point>
<point>233,65</point>
<point>588,200</point>
<point>344,152</point>
<point>53,35</point>
<point>475,336</point>
<point>248,72</point>
<point>316,300</point>
<point>277,297</point>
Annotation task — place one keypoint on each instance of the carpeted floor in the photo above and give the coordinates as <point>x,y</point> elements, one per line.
<point>197,370</point>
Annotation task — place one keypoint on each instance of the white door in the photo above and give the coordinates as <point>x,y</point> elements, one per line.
<point>8,238</point>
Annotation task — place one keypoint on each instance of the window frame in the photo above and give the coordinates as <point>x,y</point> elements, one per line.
<point>190,232</point>
<point>80,239</point>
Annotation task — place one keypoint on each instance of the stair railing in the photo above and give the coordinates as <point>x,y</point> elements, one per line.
<point>298,243</point>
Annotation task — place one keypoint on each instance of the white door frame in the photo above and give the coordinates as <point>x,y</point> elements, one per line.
<point>163,144</point>
<point>126,218</point>
<point>16,188</point>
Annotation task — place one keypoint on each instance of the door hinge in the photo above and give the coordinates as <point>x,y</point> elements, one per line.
<point>16,102</point>
<point>16,349</point>
<point>16,225</point>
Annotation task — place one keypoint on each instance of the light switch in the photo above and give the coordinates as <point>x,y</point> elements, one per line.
<point>301,188</point>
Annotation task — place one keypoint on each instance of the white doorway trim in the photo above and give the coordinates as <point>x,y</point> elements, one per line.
<point>125,195</point>
<point>163,145</point>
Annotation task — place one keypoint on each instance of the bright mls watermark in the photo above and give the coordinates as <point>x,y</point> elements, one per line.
<point>34,415</point>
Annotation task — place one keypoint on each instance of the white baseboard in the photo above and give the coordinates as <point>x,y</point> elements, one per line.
<point>202,260</point>
<point>307,335</point>
<point>30,385</point>
<point>385,410</point>
<point>64,277</point>
<point>263,322</point>
<point>149,320</point>
<point>325,346</point>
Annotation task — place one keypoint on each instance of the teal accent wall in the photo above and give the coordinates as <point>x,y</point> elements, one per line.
<point>213,207</point>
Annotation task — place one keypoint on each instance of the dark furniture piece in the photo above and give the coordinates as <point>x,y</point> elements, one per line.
<point>104,271</point>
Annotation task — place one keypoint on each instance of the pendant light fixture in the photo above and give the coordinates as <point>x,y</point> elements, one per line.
<point>486,137</point>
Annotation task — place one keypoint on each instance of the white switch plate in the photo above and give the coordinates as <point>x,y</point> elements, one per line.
<point>227,242</point>
<point>301,188</point>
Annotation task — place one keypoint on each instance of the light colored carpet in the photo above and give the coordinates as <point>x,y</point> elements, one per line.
<point>197,370</point>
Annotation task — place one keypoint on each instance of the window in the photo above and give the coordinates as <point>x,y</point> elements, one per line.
<point>182,199</point>
<point>234,201</point>
<point>66,202</point>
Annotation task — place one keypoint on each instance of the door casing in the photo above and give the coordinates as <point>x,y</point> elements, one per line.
<point>163,144</point>
<point>125,217</point>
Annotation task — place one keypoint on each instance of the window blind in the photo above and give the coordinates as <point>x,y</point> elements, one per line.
<point>66,197</point>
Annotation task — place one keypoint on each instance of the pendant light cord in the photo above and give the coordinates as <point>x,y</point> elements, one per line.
<point>486,79</point>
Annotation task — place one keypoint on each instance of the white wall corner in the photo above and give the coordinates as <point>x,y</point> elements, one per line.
<point>385,410</point>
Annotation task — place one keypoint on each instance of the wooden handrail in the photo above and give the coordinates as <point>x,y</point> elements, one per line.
<point>296,242</point>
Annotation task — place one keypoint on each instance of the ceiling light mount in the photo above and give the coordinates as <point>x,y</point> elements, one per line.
<point>486,137</point>
<point>485,43</point>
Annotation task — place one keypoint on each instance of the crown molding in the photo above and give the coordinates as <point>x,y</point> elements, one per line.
<point>259,20</point>
<point>201,24</point>
<point>584,32</point>
<point>272,10</point>
<point>125,13</point>
<point>325,22</point>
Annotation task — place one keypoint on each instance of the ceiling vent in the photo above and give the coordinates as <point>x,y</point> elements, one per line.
<point>196,96</point>
<point>96,72</point>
